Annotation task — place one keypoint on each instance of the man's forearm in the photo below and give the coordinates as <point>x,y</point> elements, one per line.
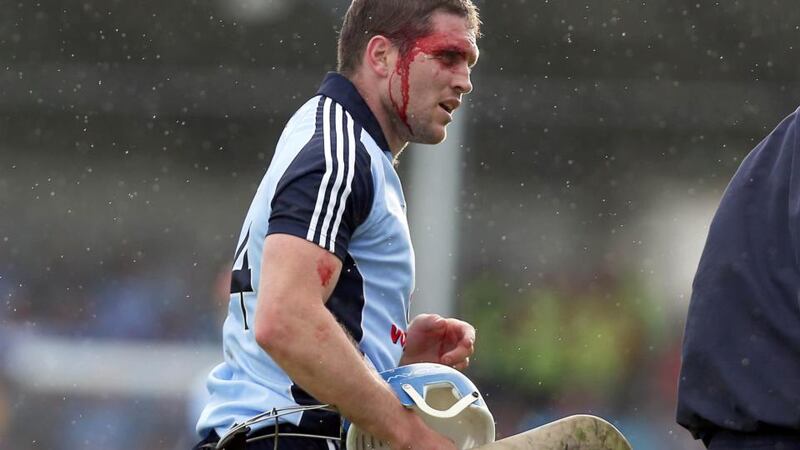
<point>308,343</point>
<point>293,325</point>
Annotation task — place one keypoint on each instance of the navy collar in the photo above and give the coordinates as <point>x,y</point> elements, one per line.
<point>341,90</point>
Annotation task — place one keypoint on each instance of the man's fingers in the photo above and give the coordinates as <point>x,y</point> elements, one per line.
<point>461,329</point>
<point>458,354</point>
<point>428,322</point>
<point>462,365</point>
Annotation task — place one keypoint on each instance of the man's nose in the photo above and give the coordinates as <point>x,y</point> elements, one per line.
<point>462,82</point>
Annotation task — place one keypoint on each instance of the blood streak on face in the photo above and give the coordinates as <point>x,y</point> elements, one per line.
<point>325,272</point>
<point>443,46</point>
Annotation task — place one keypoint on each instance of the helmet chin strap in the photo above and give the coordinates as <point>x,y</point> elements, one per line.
<point>446,414</point>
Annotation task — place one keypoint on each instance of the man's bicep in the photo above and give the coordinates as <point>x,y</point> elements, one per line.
<point>297,270</point>
<point>297,278</point>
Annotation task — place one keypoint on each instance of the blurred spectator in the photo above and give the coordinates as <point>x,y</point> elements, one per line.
<point>135,301</point>
<point>131,301</point>
<point>198,393</point>
<point>562,340</point>
<point>584,346</point>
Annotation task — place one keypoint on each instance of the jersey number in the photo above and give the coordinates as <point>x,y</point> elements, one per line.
<point>241,277</point>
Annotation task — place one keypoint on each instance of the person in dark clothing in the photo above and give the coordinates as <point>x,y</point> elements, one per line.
<point>739,385</point>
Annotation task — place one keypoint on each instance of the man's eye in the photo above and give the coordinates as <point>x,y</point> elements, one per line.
<point>448,58</point>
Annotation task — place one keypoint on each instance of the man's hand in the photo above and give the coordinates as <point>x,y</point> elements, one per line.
<point>432,338</point>
<point>413,434</point>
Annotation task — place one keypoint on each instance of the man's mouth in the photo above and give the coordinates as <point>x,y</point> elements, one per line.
<point>450,105</point>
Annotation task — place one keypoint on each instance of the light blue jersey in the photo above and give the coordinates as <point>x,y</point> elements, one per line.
<point>332,182</point>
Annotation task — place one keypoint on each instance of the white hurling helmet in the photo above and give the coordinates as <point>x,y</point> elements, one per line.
<point>447,401</point>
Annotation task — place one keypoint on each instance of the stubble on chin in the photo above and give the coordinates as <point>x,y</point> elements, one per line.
<point>430,135</point>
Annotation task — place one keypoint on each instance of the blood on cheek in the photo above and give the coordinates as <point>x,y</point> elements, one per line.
<point>434,44</point>
<point>325,272</point>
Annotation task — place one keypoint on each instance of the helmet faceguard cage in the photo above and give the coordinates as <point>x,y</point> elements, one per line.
<point>445,399</point>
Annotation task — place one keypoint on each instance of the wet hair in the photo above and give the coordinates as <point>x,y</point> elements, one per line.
<point>402,21</point>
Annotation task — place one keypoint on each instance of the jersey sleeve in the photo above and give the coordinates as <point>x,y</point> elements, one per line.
<point>327,190</point>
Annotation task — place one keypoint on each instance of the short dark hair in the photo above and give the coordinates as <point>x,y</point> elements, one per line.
<point>402,21</point>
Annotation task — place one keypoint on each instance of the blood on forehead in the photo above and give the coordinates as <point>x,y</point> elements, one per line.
<point>438,43</point>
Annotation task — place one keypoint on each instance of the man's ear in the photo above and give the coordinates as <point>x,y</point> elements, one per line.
<point>380,55</point>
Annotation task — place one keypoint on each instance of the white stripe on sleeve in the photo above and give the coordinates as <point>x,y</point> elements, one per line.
<point>339,176</point>
<point>326,138</point>
<point>351,166</point>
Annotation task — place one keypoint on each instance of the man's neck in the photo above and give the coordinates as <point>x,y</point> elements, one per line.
<point>370,93</point>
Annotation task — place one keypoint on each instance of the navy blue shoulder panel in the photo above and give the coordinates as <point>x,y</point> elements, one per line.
<point>327,190</point>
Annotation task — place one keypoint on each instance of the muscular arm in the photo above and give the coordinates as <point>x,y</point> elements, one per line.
<point>302,336</point>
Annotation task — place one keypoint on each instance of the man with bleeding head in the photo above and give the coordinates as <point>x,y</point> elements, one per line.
<point>412,73</point>
<point>324,268</point>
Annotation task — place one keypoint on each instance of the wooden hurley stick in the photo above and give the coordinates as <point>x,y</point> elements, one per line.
<point>581,432</point>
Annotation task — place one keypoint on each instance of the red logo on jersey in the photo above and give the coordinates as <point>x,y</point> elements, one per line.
<point>398,335</point>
